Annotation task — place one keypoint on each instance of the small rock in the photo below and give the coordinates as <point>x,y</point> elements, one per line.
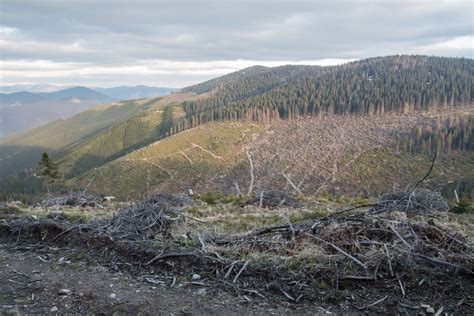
<point>113,295</point>
<point>196,277</point>
<point>64,292</point>
<point>54,309</point>
<point>428,309</point>
<point>201,291</point>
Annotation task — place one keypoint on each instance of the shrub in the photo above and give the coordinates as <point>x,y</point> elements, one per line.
<point>463,206</point>
<point>11,210</point>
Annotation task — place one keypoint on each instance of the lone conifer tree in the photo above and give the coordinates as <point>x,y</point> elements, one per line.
<point>49,170</point>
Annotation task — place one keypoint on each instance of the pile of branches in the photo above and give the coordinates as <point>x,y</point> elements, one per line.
<point>73,199</point>
<point>274,199</point>
<point>383,247</point>
<point>418,201</point>
<point>144,220</point>
<point>364,247</point>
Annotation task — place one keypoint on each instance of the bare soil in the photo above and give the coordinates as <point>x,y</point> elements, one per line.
<point>79,274</point>
<point>42,279</point>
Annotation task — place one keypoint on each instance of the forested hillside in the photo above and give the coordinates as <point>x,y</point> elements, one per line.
<point>219,82</point>
<point>373,86</point>
<point>454,133</point>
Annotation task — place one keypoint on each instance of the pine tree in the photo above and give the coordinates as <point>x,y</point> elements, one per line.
<point>49,170</point>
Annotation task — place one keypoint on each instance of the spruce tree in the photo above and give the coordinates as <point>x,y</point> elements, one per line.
<point>49,170</point>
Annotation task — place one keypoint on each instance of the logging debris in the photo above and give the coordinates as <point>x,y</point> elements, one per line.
<point>144,220</point>
<point>419,201</point>
<point>73,199</point>
<point>375,243</point>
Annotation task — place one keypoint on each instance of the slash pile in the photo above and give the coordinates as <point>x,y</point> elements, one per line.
<point>144,220</point>
<point>378,242</point>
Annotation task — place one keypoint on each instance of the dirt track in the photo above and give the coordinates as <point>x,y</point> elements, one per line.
<point>30,285</point>
<point>33,279</point>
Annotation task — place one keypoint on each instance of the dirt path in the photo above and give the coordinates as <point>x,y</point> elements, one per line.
<point>42,279</point>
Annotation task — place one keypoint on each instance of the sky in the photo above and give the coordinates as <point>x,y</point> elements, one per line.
<point>181,42</point>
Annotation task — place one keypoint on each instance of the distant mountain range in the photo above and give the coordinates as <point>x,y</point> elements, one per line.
<point>32,88</point>
<point>119,92</point>
<point>75,93</point>
<point>24,110</point>
<point>137,92</point>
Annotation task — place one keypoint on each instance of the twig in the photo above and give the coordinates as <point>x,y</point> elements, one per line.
<point>341,251</point>
<point>241,270</point>
<point>230,269</point>
<point>378,302</point>
<point>399,236</point>
<point>287,295</point>
<point>389,259</point>
<point>426,175</point>
<point>186,216</point>
<point>357,277</point>
<point>402,288</point>
<point>253,292</point>
<point>20,273</point>
<point>169,255</point>
<point>433,260</point>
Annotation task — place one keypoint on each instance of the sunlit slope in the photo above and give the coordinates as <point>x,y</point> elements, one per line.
<point>22,151</point>
<point>189,159</point>
<point>338,155</point>
<point>124,136</point>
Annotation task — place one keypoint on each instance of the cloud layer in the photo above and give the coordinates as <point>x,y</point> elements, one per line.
<point>175,43</point>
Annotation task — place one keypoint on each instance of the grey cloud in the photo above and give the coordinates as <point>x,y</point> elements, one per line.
<point>125,33</point>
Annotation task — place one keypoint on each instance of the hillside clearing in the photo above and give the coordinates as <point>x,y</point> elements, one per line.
<point>335,155</point>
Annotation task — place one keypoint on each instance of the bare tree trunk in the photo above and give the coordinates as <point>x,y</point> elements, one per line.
<point>252,176</point>
<point>287,177</point>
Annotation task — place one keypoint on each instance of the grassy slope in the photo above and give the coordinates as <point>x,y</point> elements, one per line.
<point>114,141</point>
<point>120,139</point>
<point>185,160</point>
<point>398,170</point>
<point>23,150</point>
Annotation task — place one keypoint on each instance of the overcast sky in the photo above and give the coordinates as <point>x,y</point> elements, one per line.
<point>177,43</point>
